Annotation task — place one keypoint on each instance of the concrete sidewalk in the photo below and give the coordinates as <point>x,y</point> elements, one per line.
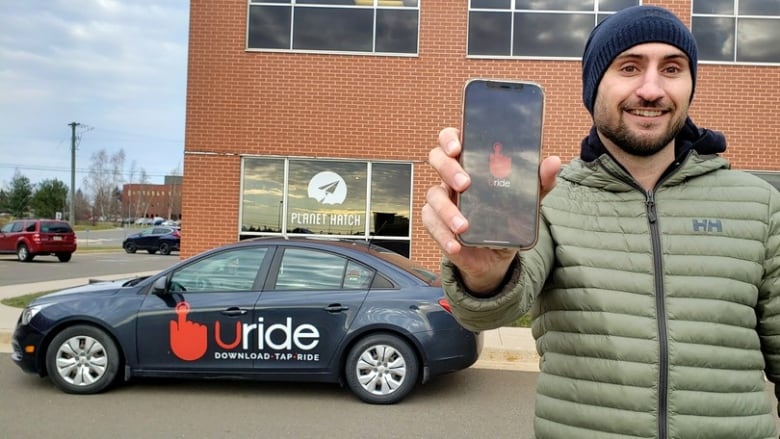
<point>504,348</point>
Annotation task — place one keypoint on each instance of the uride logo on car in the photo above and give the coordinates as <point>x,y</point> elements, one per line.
<point>189,340</point>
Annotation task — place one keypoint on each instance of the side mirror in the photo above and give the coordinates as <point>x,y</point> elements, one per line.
<point>160,285</point>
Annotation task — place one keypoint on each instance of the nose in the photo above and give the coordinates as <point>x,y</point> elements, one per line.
<point>651,89</point>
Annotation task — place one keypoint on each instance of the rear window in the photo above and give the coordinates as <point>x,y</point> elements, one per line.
<point>394,258</point>
<point>55,227</point>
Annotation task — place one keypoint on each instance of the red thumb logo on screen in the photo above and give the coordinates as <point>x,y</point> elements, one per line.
<point>500,164</point>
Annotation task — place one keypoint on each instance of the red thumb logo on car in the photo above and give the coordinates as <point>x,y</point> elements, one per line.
<point>189,340</point>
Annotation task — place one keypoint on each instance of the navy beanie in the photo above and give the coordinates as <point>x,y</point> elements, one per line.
<point>628,28</point>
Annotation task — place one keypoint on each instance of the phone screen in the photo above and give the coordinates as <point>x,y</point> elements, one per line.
<point>501,139</point>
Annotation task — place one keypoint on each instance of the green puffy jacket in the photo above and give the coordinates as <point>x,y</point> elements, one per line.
<point>656,314</point>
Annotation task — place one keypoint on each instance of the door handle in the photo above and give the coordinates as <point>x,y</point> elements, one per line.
<point>234,312</point>
<point>336,307</point>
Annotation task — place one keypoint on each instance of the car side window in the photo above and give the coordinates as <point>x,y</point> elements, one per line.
<point>304,269</point>
<point>234,270</point>
<point>30,227</point>
<point>17,227</point>
<point>357,276</point>
<point>7,228</point>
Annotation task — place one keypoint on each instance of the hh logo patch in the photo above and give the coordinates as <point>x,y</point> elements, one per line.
<point>707,226</point>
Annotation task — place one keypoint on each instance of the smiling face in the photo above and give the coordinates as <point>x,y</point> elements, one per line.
<point>643,98</point>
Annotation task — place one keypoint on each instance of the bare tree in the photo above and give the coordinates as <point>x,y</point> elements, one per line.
<point>105,175</point>
<point>143,196</point>
<point>129,195</point>
<point>174,196</point>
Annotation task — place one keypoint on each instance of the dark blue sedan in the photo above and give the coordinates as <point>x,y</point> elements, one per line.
<point>266,309</point>
<point>163,239</point>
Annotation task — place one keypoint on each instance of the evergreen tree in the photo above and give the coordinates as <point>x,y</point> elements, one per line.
<point>19,195</point>
<point>50,198</point>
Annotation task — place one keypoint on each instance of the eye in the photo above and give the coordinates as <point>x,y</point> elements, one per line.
<point>629,68</point>
<point>672,69</point>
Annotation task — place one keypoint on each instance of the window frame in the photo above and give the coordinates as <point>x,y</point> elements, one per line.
<point>735,17</point>
<point>512,11</point>
<point>311,4</point>
<point>369,228</point>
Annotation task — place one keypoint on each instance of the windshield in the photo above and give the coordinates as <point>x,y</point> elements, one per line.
<point>55,227</point>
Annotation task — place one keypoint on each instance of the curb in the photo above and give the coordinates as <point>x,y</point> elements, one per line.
<point>5,341</point>
<point>508,359</point>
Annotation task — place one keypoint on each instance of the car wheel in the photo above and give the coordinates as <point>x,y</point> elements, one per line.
<point>23,253</point>
<point>82,359</point>
<point>64,257</point>
<point>381,369</point>
<point>130,247</point>
<point>165,248</point>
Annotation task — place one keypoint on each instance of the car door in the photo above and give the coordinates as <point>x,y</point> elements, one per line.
<point>143,239</point>
<point>8,236</point>
<point>202,321</point>
<point>152,240</point>
<point>307,308</point>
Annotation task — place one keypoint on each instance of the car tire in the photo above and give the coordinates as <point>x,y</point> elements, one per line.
<point>82,360</point>
<point>64,257</point>
<point>23,253</point>
<point>165,248</point>
<point>381,369</point>
<point>130,247</point>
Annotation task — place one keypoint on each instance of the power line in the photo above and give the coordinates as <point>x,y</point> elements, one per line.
<point>23,167</point>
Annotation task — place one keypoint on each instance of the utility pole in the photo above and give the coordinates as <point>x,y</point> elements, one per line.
<point>72,210</point>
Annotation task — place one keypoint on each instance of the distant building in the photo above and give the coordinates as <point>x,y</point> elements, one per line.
<point>153,200</point>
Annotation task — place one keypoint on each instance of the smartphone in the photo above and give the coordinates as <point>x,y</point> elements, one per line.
<point>501,140</point>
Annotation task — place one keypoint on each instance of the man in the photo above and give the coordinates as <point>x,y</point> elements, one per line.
<point>655,282</point>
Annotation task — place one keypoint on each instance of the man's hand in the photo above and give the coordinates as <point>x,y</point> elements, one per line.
<point>482,269</point>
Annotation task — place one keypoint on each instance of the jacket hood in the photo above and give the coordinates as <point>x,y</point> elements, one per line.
<point>696,151</point>
<point>690,137</point>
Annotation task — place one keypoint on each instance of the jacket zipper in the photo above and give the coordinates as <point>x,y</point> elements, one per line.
<point>660,304</point>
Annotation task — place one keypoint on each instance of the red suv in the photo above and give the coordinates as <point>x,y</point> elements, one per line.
<point>32,237</point>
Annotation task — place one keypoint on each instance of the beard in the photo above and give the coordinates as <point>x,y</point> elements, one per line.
<point>634,143</point>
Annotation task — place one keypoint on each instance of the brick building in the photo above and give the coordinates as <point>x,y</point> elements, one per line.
<point>153,200</point>
<point>318,116</point>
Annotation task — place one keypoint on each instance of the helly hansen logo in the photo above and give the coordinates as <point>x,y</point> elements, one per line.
<point>707,226</point>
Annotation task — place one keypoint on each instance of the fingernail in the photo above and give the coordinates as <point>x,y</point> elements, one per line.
<point>451,145</point>
<point>462,180</point>
<point>449,247</point>
<point>458,222</point>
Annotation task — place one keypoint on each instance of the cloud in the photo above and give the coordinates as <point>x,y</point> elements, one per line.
<point>116,67</point>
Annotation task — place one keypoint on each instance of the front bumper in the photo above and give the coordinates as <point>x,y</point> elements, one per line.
<point>26,338</point>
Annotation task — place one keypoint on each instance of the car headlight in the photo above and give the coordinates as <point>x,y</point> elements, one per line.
<point>29,312</point>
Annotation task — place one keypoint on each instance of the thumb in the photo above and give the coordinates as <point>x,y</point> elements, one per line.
<point>548,172</point>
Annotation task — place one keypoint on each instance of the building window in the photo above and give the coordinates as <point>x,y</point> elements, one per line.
<point>737,31</point>
<point>345,198</point>
<point>536,29</point>
<point>772,177</point>
<point>348,26</point>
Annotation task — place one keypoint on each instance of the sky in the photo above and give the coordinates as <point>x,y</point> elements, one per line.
<point>117,68</point>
